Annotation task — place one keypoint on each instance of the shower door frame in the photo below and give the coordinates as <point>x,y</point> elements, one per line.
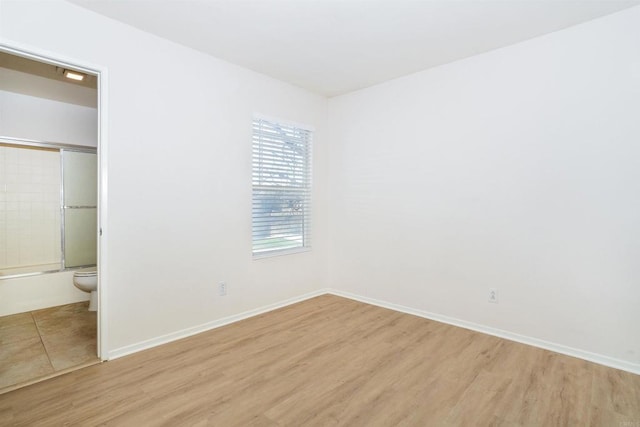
<point>61,148</point>
<point>64,207</point>
<point>54,58</point>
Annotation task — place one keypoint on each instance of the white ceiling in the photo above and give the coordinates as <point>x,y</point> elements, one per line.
<point>336,46</point>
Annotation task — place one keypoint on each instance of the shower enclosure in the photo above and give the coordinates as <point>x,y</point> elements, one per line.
<point>48,207</point>
<point>79,214</point>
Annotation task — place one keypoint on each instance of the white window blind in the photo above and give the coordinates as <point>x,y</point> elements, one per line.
<point>281,208</point>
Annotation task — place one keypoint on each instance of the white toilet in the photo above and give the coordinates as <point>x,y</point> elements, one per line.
<point>87,280</point>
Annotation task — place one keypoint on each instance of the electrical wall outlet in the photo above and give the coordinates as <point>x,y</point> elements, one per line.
<point>222,288</point>
<point>493,295</point>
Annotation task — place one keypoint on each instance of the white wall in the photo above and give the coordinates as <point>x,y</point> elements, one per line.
<point>30,117</point>
<point>516,169</point>
<point>179,159</point>
<point>519,170</point>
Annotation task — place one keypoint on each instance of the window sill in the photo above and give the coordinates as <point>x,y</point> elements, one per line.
<point>272,254</point>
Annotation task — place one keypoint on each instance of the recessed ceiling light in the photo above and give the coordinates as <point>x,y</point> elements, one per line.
<point>73,75</point>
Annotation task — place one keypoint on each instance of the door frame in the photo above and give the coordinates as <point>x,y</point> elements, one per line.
<point>54,58</point>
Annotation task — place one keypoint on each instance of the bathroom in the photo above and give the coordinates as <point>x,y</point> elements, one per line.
<point>48,220</point>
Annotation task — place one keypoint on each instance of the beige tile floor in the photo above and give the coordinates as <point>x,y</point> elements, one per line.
<point>42,342</point>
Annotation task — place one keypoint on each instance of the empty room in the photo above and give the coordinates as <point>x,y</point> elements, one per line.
<point>320,212</point>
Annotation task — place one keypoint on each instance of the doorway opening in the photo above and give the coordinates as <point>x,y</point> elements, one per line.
<point>54,109</point>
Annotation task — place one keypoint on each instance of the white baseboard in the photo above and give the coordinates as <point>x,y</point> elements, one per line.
<point>558,348</point>
<point>184,333</point>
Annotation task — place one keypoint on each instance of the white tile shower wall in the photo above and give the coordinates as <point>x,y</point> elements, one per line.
<point>29,207</point>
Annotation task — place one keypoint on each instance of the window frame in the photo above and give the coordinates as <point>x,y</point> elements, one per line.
<point>307,216</point>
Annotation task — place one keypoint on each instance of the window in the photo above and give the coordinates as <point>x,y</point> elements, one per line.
<point>281,208</point>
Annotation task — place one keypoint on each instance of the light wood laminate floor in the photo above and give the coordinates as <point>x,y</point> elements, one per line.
<point>333,361</point>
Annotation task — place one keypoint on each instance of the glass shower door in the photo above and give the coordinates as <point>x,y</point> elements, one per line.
<point>79,177</point>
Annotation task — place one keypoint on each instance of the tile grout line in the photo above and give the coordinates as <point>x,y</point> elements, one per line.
<point>42,341</point>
